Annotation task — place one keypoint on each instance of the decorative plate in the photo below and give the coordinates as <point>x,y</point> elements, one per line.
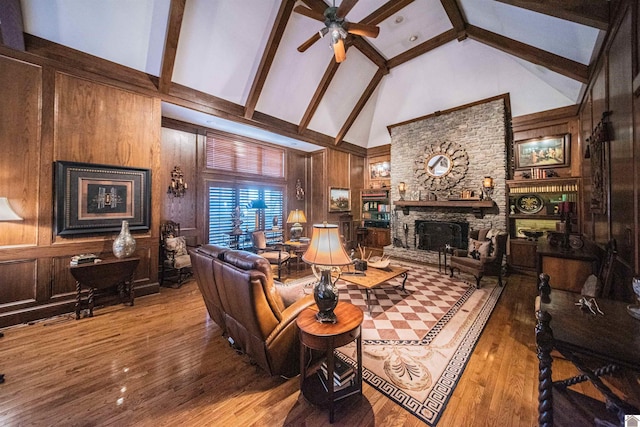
<point>529,204</point>
<point>575,242</point>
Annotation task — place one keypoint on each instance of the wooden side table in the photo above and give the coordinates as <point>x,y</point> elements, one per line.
<point>327,337</point>
<point>102,275</point>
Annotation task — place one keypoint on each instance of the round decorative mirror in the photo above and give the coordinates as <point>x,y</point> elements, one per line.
<point>441,166</point>
<point>438,165</point>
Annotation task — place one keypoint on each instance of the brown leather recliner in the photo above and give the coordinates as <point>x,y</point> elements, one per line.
<point>242,298</point>
<point>482,265</point>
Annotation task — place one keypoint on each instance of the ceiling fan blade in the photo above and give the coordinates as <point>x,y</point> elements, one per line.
<point>338,50</point>
<point>345,7</point>
<point>362,29</point>
<point>309,13</point>
<point>306,45</point>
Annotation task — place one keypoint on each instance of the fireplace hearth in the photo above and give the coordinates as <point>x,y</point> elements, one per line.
<point>434,235</point>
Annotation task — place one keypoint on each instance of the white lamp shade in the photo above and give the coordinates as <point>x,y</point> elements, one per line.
<point>6,213</point>
<point>325,247</point>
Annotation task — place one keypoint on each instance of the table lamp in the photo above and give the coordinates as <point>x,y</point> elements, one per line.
<point>257,205</point>
<point>7,214</point>
<point>487,187</point>
<point>326,251</point>
<point>296,218</point>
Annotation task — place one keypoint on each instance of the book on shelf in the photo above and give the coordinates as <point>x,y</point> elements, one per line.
<point>337,386</point>
<point>342,371</point>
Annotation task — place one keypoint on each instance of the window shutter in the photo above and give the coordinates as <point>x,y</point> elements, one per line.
<point>227,154</point>
<point>221,205</point>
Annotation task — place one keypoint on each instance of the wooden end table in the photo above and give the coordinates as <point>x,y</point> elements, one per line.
<point>108,273</point>
<point>327,337</point>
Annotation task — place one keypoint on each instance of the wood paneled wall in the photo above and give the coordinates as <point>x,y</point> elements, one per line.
<point>47,116</point>
<point>611,89</point>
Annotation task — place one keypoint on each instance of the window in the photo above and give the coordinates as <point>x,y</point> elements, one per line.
<point>230,154</point>
<point>223,199</point>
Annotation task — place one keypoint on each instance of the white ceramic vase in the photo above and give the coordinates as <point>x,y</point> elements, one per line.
<point>124,245</point>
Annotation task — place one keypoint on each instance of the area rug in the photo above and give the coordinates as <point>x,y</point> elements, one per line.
<point>417,342</point>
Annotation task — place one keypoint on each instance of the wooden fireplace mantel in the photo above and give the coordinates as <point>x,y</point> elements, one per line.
<point>477,206</point>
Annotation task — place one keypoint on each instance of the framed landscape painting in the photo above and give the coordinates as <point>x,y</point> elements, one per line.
<point>94,198</point>
<point>339,199</point>
<point>547,152</point>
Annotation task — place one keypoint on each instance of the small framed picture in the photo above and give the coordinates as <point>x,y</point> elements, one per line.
<point>339,199</point>
<point>380,170</point>
<point>547,152</point>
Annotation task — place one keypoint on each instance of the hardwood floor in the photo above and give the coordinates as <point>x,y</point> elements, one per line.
<point>163,362</point>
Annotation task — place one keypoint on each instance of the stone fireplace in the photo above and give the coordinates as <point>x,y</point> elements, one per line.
<point>481,130</point>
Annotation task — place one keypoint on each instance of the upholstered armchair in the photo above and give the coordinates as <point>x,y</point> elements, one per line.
<point>484,255</point>
<point>276,254</point>
<point>174,257</point>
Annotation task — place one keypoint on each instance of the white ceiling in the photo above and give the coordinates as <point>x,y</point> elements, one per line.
<point>222,41</point>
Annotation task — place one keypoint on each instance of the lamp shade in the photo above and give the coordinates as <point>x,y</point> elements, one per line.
<point>325,247</point>
<point>258,204</point>
<point>6,213</point>
<point>296,216</point>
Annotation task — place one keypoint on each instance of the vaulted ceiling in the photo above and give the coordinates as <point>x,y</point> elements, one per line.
<point>234,64</point>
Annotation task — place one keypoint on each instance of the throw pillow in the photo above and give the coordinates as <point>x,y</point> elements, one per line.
<point>177,245</point>
<point>492,235</point>
<point>478,249</point>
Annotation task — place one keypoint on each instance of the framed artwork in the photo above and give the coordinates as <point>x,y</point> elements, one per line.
<point>547,152</point>
<point>380,170</point>
<point>339,199</point>
<point>94,198</point>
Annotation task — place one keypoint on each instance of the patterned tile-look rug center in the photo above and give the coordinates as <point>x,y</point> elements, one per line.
<point>417,342</point>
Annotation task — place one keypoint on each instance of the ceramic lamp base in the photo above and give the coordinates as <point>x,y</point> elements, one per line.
<point>634,311</point>
<point>326,317</point>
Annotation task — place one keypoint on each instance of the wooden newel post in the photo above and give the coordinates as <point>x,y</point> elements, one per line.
<point>544,344</point>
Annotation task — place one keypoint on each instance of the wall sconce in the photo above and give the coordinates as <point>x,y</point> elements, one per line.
<point>487,187</point>
<point>178,186</point>
<point>402,189</point>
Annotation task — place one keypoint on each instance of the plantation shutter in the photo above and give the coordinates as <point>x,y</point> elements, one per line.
<point>221,205</point>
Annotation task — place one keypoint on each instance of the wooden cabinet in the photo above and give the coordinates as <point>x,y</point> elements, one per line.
<point>378,237</point>
<point>567,269</point>
<point>535,206</point>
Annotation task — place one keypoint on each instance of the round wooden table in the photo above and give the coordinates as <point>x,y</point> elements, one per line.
<point>327,337</point>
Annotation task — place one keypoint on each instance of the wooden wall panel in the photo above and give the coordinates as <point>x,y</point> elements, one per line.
<point>18,281</point>
<point>586,126</point>
<point>357,184</point>
<point>179,148</point>
<point>621,145</point>
<point>318,198</point>
<point>20,89</point>
<point>600,104</point>
<point>297,169</point>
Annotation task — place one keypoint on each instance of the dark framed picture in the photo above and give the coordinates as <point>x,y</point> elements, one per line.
<point>547,152</point>
<point>94,198</point>
<point>339,199</point>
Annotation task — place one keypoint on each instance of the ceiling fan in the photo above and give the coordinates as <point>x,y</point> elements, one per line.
<point>336,26</point>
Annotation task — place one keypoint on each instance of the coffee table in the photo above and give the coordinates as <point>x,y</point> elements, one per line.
<point>373,277</point>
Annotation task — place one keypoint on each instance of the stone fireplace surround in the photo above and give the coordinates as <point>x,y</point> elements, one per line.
<point>482,129</point>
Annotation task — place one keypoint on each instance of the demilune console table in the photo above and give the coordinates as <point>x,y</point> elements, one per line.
<point>610,341</point>
<point>109,273</point>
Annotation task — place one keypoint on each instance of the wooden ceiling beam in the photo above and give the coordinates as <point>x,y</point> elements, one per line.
<point>371,53</point>
<point>373,84</point>
<point>385,11</point>
<point>564,66</point>
<point>456,18</point>
<point>592,13</point>
<point>176,13</point>
<point>284,13</point>
<point>423,48</point>
<point>318,95</point>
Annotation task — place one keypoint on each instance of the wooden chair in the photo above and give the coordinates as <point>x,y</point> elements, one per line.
<point>277,254</point>
<point>174,257</point>
<point>489,264</point>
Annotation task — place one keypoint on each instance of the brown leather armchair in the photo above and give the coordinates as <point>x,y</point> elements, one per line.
<point>244,300</point>
<point>480,263</point>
